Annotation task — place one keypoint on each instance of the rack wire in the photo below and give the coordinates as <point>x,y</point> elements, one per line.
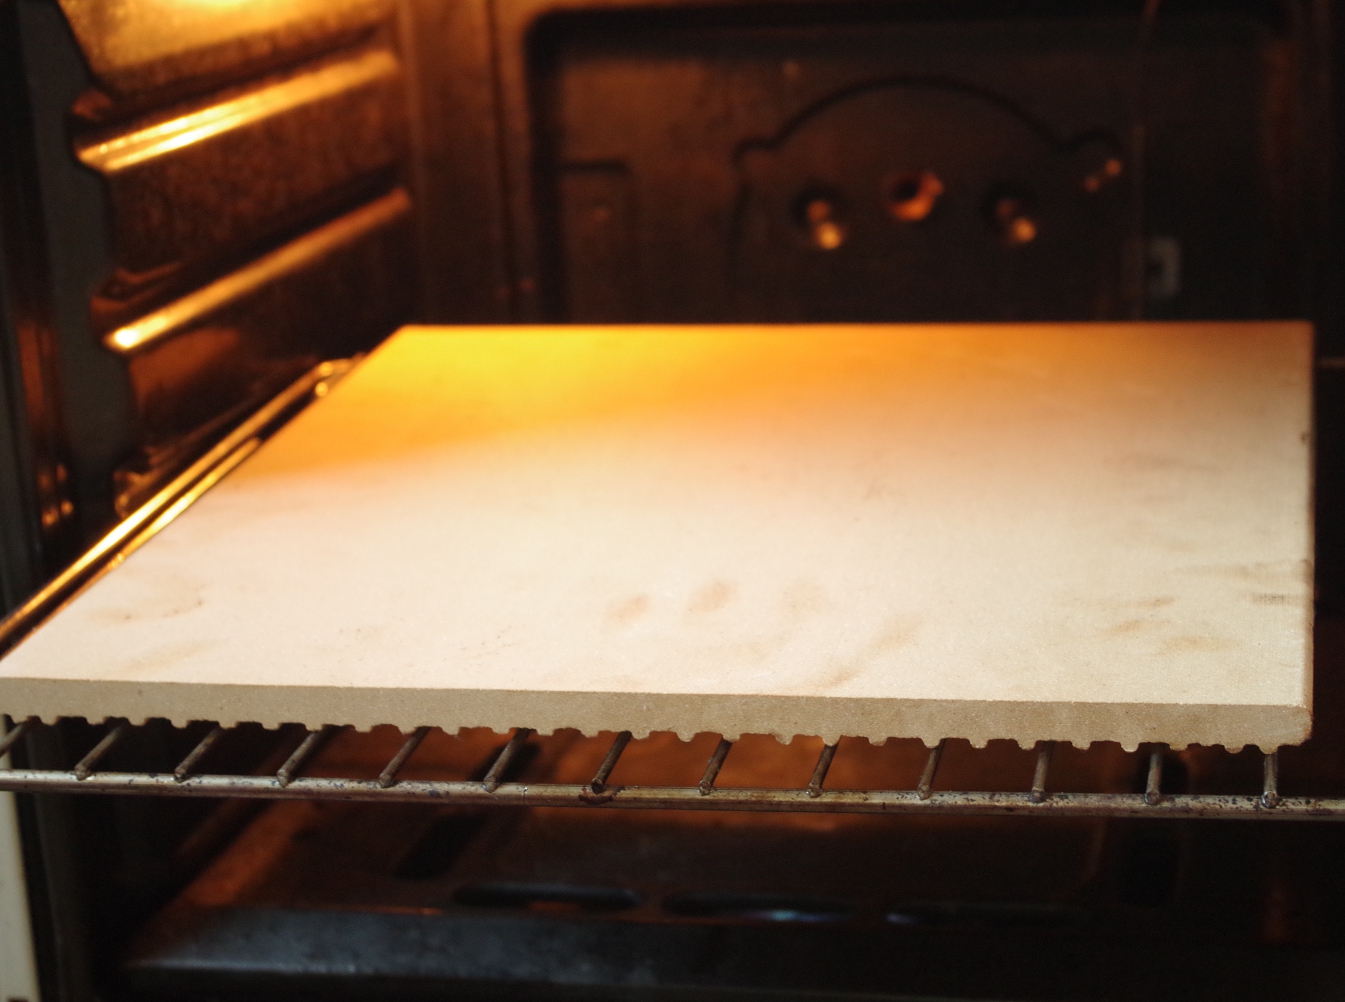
<point>288,783</point>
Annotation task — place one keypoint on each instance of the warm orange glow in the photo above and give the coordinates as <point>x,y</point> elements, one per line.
<point>1109,171</point>
<point>1022,230</point>
<point>503,381</point>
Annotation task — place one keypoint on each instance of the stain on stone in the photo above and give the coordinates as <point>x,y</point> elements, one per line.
<point>1158,602</point>
<point>840,675</point>
<point>1275,598</point>
<point>877,491</point>
<point>1194,643</point>
<point>897,631</point>
<point>1144,462</point>
<point>163,603</point>
<point>627,611</point>
<point>160,658</point>
<point>1268,573</point>
<point>712,597</point>
<point>805,599</point>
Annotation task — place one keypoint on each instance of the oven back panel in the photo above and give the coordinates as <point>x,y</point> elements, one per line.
<point>681,157</point>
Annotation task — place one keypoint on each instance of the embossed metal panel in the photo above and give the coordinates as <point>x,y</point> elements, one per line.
<point>134,46</point>
<point>200,181</point>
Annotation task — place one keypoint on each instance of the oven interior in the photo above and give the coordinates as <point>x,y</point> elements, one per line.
<point>200,201</point>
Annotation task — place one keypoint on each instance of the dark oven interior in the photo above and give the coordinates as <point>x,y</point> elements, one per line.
<point>202,200</point>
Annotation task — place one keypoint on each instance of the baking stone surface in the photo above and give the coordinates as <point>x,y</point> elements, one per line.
<point>1075,532</point>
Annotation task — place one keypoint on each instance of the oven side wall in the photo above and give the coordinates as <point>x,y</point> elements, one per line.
<point>18,965</point>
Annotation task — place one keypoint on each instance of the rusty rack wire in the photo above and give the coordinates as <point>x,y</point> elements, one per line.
<point>288,783</point>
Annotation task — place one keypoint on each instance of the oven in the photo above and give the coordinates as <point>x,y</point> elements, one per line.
<point>209,207</point>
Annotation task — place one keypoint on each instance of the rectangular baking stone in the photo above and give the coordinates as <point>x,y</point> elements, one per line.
<point>1077,532</point>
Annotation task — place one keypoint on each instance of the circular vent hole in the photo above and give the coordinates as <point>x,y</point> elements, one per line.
<point>820,217</point>
<point>911,197</point>
<point>1010,215</point>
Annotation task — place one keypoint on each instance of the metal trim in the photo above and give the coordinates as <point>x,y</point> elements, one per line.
<point>287,260</point>
<point>111,154</point>
<point>288,784</point>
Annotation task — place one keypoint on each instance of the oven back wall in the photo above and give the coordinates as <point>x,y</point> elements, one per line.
<point>907,162</point>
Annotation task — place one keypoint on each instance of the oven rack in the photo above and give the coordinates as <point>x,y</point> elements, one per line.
<point>288,783</point>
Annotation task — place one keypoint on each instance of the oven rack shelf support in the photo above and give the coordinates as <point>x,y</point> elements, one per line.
<point>491,790</point>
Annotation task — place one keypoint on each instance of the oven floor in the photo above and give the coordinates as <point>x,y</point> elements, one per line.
<point>339,901</point>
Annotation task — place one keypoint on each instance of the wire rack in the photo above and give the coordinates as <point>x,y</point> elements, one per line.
<point>289,783</point>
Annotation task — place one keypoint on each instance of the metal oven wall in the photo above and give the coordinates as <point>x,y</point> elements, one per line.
<point>195,203</point>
